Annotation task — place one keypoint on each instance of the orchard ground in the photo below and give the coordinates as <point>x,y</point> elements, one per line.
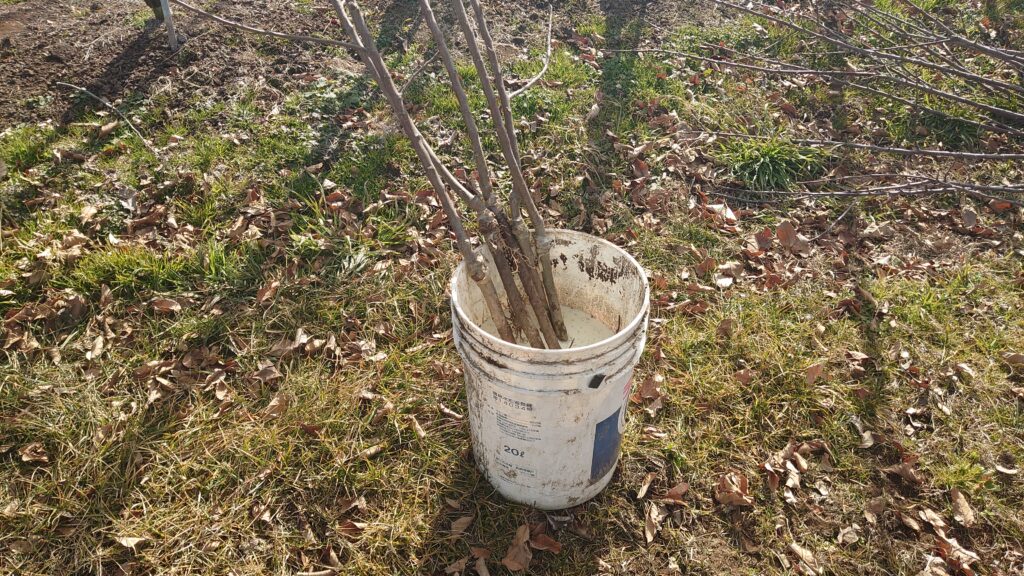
<point>228,350</point>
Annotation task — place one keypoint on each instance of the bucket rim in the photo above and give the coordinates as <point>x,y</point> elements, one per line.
<point>630,327</point>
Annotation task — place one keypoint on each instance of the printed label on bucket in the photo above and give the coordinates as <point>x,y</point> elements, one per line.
<point>607,439</point>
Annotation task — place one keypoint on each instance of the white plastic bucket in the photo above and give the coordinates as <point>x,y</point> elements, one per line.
<point>547,425</point>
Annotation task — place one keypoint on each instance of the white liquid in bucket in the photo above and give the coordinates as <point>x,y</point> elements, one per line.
<point>582,329</point>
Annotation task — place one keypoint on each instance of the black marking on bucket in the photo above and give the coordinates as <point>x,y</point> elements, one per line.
<point>596,381</point>
<point>607,440</point>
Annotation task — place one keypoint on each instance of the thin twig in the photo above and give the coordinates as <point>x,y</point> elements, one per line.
<point>840,77</point>
<point>503,130</point>
<point>547,60</point>
<point>909,189</point>
<point>874,148</point>
<point>871,53</point>
<point>734,64</point>
<point>836,221</point>
<point>115,110</point>
<point>283,36</point>
<point>1008,57</point>
<point>415,73</point>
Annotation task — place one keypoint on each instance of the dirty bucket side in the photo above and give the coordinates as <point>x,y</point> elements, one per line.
<point>546,425</point>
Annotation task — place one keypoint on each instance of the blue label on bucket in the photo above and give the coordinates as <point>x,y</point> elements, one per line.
<point>606,446</point>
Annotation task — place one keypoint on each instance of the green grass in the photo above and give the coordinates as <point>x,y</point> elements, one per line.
<point>771,164</point>
<point>23,147</point>
<point>129,269</point>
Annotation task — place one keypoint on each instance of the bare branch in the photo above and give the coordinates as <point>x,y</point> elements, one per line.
<point>522,191</point>
<point>870,53</point>
<point>357,29</point>
<point>841,77</point>
<point>528,271</point>
<point>489,226</point>
<point>254,30</point>
<point>918,186</point>
<point>735,64</point>
<point>1007,56</point>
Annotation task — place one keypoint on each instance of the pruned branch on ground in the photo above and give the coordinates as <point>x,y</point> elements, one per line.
<point>921,63</point>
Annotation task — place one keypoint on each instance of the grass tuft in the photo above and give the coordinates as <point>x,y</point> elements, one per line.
<point>771,164</point>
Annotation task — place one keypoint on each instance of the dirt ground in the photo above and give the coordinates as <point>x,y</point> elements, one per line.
<point>117,48</point>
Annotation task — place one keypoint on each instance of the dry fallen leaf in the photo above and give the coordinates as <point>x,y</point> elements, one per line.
<point>787,235</point>
<point>806,558</point>
<point>932,517</point>
<point>359,503</point>
<point>955,554</point>
<point>645,485</point>
<point>676,493</point>
<point>370,452</point>
<point>106,129</point>
<point>706,266</point>
<point>962,512</point>
<point>545,542</point>
<point>874,509</point>
<point>166,305</point>
<point>417,427</point>
<point>726,328</point>
<point>519,555</point>
<point>656,514</point>
<point>814,372</point>
<point>732,490</point>
<point>351,528</point>
<point>481,567</point>
<point>21,546</point>
<point>848,535</point>
<point>129,542</point>
<point>97,349</point>
<point>459,526</point>
<point>867,437</point>
<point>457,567</point>
<point>1007,470</point>
<point>969,216</point>
<point>910,522</point>
<point>1014,359</point>
<point>267,373</point>
<point>905,470</point>
<point>744,376</point>
<point>277,406</point>
<point>34,452</point>
<point>267,292</point>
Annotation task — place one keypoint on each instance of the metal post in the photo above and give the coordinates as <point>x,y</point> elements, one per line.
<point>172,36</point>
